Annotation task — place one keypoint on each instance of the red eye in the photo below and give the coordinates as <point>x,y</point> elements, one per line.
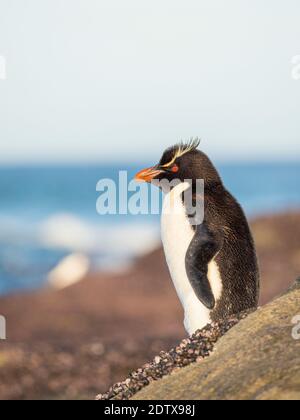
<point>175,169</point>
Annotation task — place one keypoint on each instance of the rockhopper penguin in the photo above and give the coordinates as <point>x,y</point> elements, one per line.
<point>213,264</point>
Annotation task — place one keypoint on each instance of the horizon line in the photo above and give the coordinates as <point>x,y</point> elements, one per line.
<point>90,163</point>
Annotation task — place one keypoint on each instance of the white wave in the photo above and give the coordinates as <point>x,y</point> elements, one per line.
<point>109,247</point>
<point>67,232</point>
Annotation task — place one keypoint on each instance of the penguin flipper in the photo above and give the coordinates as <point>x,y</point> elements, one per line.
<point>200,253</point>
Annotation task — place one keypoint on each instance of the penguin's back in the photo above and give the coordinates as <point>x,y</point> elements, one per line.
<point>237,259</point>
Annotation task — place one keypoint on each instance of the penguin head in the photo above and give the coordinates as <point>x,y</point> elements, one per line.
<point>182,162</point>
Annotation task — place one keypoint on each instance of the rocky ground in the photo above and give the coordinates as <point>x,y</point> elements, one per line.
<point>75,343</point>
<point>188,351</point>
<point>258,359</point>
<point>62,371</point>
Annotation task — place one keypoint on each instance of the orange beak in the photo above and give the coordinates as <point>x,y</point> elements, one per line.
<point>147,175</point>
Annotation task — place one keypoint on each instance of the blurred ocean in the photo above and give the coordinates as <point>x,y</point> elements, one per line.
<point>49,213</point>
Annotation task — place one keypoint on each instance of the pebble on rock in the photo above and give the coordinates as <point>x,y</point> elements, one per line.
<point>190,350</point>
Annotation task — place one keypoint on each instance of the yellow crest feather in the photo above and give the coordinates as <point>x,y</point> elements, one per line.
<point>184,148</point>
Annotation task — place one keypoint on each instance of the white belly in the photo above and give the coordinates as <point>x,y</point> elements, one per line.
<point>177,235</point>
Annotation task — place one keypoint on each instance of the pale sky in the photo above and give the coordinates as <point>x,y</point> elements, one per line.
<point>96,80</point>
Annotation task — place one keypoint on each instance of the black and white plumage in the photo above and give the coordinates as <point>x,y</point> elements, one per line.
<point>213,264</point>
